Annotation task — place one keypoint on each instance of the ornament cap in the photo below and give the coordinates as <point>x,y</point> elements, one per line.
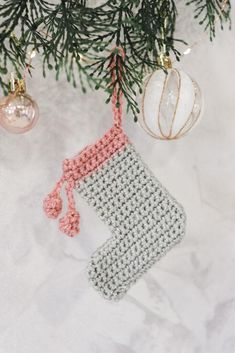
<point>17,85</point>
<point>165,61</point>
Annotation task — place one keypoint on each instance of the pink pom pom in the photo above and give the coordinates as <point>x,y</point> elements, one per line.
<point>52,205</point>
<point>69,224</point>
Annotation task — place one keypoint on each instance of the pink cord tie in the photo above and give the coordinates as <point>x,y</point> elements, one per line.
<point>52,204</point>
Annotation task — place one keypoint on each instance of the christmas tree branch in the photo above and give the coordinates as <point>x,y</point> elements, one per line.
<point>80,40</point>
<point>210,11</point>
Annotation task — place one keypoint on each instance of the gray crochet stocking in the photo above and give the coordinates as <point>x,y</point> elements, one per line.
<point>144,219</point>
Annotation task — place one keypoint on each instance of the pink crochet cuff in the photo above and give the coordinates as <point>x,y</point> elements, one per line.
<point>93,156</point>
<point>77,168</point>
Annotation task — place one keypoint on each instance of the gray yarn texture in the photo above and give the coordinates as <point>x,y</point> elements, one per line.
<point>144,219</point>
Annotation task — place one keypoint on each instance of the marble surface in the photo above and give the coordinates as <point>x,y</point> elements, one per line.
<point>186,302</point>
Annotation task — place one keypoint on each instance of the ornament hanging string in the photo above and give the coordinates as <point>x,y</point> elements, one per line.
<point>19,84</point>
<point>32,54</point>
<point>116,70</point>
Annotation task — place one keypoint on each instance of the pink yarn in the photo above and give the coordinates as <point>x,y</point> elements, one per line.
<point>52,205</point>
<point>117,93</point>
<point>87,161</point>
<point>69,224</point>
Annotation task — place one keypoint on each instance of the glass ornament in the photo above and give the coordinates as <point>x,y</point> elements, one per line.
<point>18,111</point>
<point>171,104</point>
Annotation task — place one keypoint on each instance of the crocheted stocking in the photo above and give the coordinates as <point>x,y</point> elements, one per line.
<point>144,219</point>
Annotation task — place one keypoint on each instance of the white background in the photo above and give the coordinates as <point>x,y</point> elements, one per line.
<point>186,302</point>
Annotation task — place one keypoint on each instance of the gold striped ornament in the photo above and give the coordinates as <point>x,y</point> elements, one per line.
<point>171,103</point>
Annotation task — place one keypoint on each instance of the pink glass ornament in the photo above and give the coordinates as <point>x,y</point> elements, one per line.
<point>18,112</point>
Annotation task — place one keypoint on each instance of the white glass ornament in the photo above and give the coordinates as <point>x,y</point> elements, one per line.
<point>18,111</point>
<point>171,104</point>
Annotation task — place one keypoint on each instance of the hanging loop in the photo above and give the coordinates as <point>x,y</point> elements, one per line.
<point>116,69</point>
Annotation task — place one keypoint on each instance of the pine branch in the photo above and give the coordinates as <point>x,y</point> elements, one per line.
<point>209,11</point>
<point>80,40</point>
